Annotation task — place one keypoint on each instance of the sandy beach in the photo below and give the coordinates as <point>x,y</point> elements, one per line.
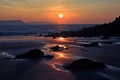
<point>45,69</point>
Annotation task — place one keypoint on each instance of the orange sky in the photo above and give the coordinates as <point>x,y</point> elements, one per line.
<point>74,11</point>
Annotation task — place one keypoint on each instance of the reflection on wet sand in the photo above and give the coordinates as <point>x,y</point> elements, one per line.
<point>61,39</point>
<point>57,66</point>
<point>61,55</point>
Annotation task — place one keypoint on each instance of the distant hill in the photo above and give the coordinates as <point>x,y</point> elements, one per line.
<point>107,29</point>
<point>11,22</point>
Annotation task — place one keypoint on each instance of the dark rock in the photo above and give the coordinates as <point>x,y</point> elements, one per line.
<point>49,56</point>
<point>85,64</point>
<point>31,54</point>
<point>93,44</point>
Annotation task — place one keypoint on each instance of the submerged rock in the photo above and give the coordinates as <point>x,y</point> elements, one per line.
<point>31,54</point>
<point>85,64</point>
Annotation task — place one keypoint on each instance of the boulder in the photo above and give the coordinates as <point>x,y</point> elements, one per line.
<point>31,54</point>
<point>81,64</point>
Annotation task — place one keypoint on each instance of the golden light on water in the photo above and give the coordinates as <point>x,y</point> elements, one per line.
<point>62,38</point>
<point>61,55</point>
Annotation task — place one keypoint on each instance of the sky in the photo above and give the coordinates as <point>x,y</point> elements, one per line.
<point>74,11</point>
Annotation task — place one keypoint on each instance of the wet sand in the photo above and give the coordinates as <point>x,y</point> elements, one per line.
<point>45,69</point>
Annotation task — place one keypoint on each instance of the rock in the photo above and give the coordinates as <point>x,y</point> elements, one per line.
<point>93,44</point>
<point>58,48</point>
<point>85,64</point>
<point>49,56</point>
<point>31,54</point>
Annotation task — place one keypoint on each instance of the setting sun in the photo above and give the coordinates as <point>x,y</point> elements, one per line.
<point>60,15</point>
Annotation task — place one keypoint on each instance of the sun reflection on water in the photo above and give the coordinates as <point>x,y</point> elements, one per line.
<point>61,39</point>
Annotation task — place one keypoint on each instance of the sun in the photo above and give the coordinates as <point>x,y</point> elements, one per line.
<point>60,15</point>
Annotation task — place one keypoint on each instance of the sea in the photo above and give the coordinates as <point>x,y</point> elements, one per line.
<point>28,30</point>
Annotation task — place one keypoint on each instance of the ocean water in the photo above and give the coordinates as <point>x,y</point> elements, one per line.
<point>24,30</point>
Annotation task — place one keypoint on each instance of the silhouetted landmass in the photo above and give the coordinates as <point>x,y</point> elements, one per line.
<point>20,22</point>
<point>11,22</point>
<point>107,29</point>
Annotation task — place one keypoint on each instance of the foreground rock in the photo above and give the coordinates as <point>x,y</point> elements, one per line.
<point>82,64</point>
<point>32,54</point>
<point>58,48</point>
